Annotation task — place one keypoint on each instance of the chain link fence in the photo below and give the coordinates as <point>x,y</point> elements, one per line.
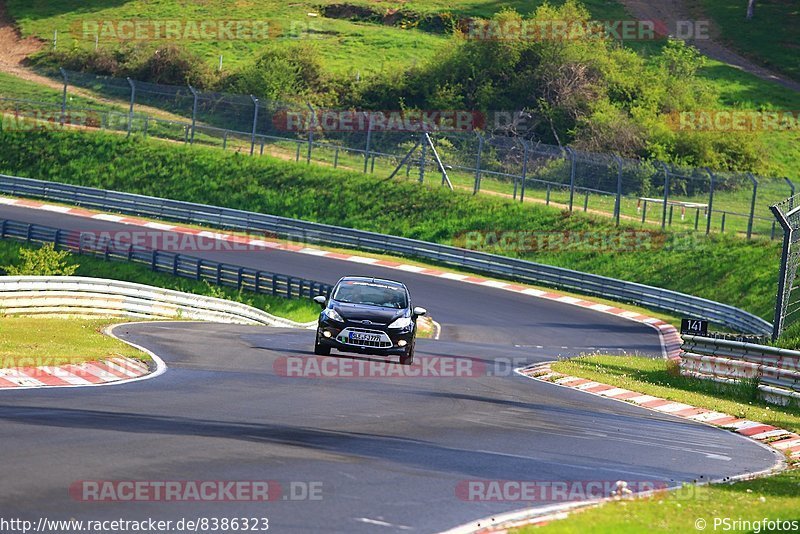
<point>787,306</point>
<point>652,193</point>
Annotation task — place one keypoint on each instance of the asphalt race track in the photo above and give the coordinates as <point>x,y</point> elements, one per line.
<point>380,453</point>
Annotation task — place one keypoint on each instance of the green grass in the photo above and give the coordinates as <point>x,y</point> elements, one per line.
<point>774,497</point>
<point>740,90</point>
<point>727,269</point>
<point>16,88</point>
<point>660,378</point>
<point>352,49</point>
<point>345,46</point>
<point>300,310</point>
<point>772,37</point>
<point>36,341</point>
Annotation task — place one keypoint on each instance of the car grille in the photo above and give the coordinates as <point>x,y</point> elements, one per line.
<point>383,343</point>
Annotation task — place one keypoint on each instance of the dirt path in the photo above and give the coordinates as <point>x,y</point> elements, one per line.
<point>671,11</point>
<point>16,48</point>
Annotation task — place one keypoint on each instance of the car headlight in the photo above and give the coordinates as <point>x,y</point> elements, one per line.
<point>402,322</point>
<point>333,315</point>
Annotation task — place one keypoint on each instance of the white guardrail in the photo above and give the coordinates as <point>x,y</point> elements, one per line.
<point>777,370</point>
<point>77,295</point>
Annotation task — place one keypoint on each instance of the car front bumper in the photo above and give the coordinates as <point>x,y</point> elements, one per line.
<point>392,342</point>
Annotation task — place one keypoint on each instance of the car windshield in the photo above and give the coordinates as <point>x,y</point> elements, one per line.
<point>372,294</point>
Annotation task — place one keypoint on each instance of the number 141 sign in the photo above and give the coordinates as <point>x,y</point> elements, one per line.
<point>696,327</point>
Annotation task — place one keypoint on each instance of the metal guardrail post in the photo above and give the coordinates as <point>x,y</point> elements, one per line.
<point>423,156</point>
<point>439,164</point>
<point>752,205</point>
<point>477,186</point>
<point>369,140</point>
<point>526,152</point>
<point>710,200</point>
<point>311,125</point>
<point>194,112</point>
<point>255,125</point>
<point>666,196</point>
<point>130,109</point>
<point>791,185</point>
<point>618,203</point>
<point>403,161</point>
<point>63,96</point>
<point>571,154</point>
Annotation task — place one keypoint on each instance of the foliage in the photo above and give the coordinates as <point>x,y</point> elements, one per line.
<point>43,261</point>
<point>587,91</point>
<point>167,64</point>
<point>289,73</point>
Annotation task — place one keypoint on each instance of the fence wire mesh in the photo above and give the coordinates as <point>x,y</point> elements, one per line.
<point>787,306</point>
<point>651,193</point>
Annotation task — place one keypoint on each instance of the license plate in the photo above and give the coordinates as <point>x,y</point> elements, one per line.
<point>358,336</point>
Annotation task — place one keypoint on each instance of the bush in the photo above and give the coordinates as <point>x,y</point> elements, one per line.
<point>169,64</point>
<point>172,65</point>
<point>293,74</point>
<point>43,261</point>
<point>590,93</point>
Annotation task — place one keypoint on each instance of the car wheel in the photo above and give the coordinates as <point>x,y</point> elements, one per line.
<point>408,357</point>
<point>321,350</point>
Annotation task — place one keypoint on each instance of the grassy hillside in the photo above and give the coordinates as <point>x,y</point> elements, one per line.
<point>772,37</point>
<point>346,46</point>
<point>372,43</point>
<point>727,269</point>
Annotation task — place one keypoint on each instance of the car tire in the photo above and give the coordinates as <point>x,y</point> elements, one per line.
<point>408,357</point>
<point>321,350</point>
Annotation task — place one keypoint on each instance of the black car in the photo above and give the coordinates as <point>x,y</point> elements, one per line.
<point>368,316</point>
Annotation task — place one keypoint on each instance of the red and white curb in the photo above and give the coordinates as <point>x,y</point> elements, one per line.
<point>106,372</point>
<point>780,440</point>
<point>783,441</point>
<point>83,374</point>
<point>668,334</point>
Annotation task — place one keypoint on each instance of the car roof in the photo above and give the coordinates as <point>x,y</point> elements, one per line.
<point>369,279</point>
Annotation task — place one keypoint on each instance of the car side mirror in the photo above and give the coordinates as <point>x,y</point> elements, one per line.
<point>419,312</point>
<point>321,300</point>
